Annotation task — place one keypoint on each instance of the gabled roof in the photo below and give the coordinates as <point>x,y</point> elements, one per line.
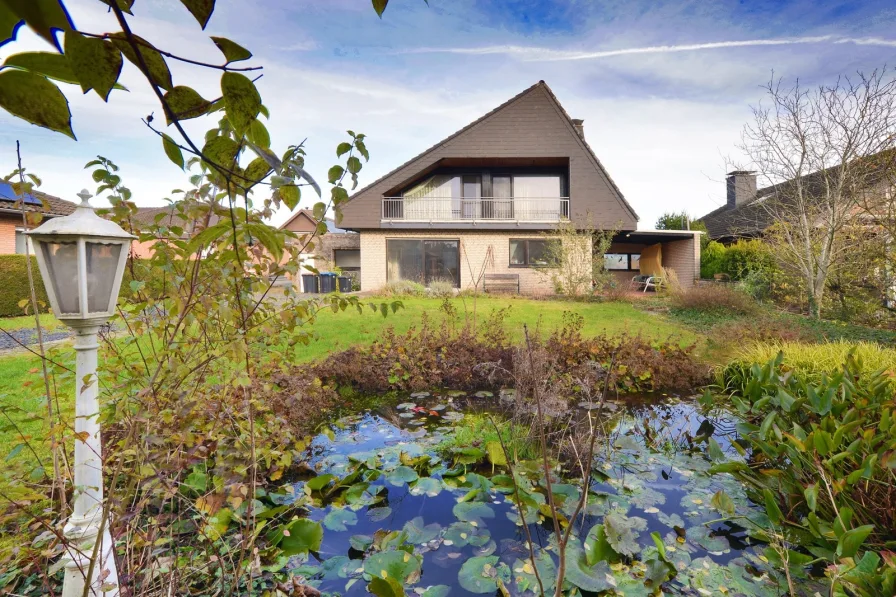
<point>570,126</point>
<point>309,214</point>
<point>45,204</point>
<point>753,218</point>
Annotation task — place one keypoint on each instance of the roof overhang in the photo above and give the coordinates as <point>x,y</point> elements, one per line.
<point>652,237</point>
<point>462,163</point>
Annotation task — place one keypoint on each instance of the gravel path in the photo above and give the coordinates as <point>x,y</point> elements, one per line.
<point>29,337</point>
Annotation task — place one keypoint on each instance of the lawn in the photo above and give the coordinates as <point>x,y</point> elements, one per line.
<point>47,321</point>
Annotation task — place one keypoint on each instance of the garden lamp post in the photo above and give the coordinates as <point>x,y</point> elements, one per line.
<point>81,259</point>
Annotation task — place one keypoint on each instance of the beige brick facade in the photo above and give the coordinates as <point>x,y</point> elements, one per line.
<point>474,252</point>
<point>683,256</point>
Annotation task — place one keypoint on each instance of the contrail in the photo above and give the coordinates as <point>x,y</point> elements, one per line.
<point>536,54</point>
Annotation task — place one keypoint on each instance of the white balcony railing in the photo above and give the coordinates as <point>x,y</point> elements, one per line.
<point>483,209</point>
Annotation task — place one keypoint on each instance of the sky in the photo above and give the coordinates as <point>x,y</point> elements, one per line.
<point>664,87</point>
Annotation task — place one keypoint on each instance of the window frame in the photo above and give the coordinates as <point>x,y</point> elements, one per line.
<point>527,264</point>
<point>628,262</point>
<point>423,242</point>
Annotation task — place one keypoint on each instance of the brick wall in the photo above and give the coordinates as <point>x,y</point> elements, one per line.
<point>683,256</point>
<point>8,225</point>
<point>474,248</point>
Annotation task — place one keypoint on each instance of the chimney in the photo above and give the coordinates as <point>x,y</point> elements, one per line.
<point>580,126</point>
<point>741,187</point>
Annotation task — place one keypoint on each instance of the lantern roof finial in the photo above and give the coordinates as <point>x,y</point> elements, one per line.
<point>85,197</point>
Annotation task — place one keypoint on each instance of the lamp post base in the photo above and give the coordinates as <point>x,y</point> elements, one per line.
<point>81,537</point>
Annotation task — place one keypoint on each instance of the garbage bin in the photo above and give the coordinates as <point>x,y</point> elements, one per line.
<point>327,282</point>
<point>345,283</point>
<point>310,283</point>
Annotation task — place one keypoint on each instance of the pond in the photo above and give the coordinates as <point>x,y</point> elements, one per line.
<point>401,496</point>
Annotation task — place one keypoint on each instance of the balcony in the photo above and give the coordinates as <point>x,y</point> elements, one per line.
<point>535,210</point>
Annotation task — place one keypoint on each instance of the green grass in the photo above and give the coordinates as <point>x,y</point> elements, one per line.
<point>338,331</point>
<point>47,321</point>
<point>813,360</point>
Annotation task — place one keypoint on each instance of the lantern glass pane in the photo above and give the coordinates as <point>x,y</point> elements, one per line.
<point>61,259</point>
<point>102,268</point>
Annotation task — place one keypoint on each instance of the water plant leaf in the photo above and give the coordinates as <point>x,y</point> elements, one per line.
<point>596,578</point>
<point>436,591</point>
<point>849,543</point>
<point>400,565</point>
<point>386,587</point>
<point>722,502</point>
<point>401,475</point>
<point>495,454</point>
<point>483,574</point>
<point>304,536</point>
<point>524,573</point>
<point>622,532</point>
<point>338,519</point>
<point>360,542</point>
<point>378,514</point>
<point>472,511</point>
<point>597,548</point>
<point>426,486</point>
<point>319,482</point>
<point>459,534</point>
<point>418,532</point>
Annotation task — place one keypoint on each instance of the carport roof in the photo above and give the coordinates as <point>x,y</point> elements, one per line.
<point>650,237</point>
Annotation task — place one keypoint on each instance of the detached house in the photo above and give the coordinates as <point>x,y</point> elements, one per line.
<point>12,231</point>
<point>483,199</point>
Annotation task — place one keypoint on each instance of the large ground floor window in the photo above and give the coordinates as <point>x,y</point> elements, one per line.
<point>423,261</point>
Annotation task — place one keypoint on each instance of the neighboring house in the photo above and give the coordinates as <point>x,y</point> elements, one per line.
<point>338,248</point>
<point>12,230</point>
<point>485,197</point>
<point>745,215</point>
<point>166,216</point>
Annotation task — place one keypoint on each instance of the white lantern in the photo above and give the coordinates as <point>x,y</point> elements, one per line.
<point>81,259</point>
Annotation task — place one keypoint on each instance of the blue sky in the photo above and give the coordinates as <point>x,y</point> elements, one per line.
<point>664,86</point>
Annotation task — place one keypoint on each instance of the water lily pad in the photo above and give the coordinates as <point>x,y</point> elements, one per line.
<point>594,578</point>
<point>407,405</point>
<point>304,536</point>
<point>401,475</point>
<point>337,567</point>
<point>338,519</point>
<point>418,532</point>
<point>483,574</point>
<point>400,565</point>
<point>473,511</point>
<point>426,486</point>
<point>360,542</point>
<point>418,395</point>
<point>483,394</point>
<point>708,540</point>
<point>458,534</point>
<point>436,591</point>
<point>622,532</point>
<point>456,393</point>
<point>386,587</point>
<point>378,514</point>
<point>524,573</point>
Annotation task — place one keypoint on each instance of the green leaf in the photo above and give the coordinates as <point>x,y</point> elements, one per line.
<point>771,506</point>
<point>15,451</point>
<point>257,170</point>
<point>386,587</point>
<point>379,6</point>
<point>156,68</point>
<point>495,453</point>
<point>343,148</point>
<point>483,574</point>
<point>290,195</point>
<point>33,98</point>
<point>353,164</point>
<point>427,486</point>
<point>850,541</point>
<point>338,519</point>
<point>49,64</point>
<point>319,482</point>
<point>221,150</point>
<point>401,475</point>
<point>472,511</point>
<point>727,467</point>
<point>722,502</point>
<point>811,493</point>
<point>596,578</point>
<point>304,536</point>
<point>334,174</point>
<point>597,548</point>
<point>44,17</point>
<point>360,542</point>
<point>233,52</point>
<point>173,151</point>
<point>95,62</point>
<point>201,9</point>
<point>436,591</point>
<point>418,533</point>
<point>258,134</point>
<point>241,100</point>
<point>400,565</point>
<point>185,103</point>
<point>622,532</point>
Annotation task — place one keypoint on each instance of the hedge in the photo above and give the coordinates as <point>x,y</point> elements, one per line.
<point>14,285</point>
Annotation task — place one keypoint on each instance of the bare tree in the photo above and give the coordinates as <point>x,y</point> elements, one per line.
<point>817,148</point>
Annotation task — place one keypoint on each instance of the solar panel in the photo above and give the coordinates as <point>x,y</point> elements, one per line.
<point>7,194</point>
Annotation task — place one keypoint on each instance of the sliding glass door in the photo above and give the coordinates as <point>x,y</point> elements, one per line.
<point>423,261</point>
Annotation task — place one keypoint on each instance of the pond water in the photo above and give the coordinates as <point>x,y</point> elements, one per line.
<point>395,502</point>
